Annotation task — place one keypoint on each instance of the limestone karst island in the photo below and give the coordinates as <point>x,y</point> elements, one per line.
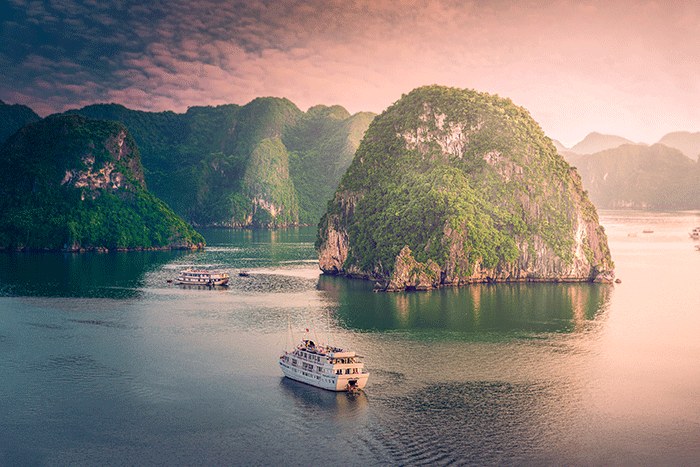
<point>446,187</point>
<point>74,183</point>
<point>452,186</point>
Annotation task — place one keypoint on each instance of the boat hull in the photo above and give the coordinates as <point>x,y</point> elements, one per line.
<point>349,382</point>
<point>187,281</point>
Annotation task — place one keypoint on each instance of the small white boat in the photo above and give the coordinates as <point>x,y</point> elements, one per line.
<point>202,277</point>
<point>695,233</point>
<point>325,367</point>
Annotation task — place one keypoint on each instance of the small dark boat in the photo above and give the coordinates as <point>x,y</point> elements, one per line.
<point>243,274</point>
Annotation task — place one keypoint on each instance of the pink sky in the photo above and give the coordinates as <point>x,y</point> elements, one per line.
<point>615,67</point>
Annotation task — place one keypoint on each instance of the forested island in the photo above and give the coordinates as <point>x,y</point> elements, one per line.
<point>452,186</point>
<point>74,183</point>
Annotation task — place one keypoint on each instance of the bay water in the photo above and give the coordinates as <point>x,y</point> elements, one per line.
<point>103,362</point>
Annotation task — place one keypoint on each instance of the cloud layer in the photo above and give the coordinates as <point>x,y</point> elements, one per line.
<point>627,68</point>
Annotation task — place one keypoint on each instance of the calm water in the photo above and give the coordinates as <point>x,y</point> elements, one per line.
<point>103,362</point>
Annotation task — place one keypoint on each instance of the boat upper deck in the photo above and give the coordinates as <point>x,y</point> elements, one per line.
<point>307,350</point>
<point>199,272</point>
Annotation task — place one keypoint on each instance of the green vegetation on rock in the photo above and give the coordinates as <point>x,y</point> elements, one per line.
<point>72,182</point>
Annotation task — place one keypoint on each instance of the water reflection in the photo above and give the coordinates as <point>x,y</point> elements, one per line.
<point>260,247</point>
<point>528,307</point>
<point>344,406</point>
<point>202,287</point>
<point>98,275</point>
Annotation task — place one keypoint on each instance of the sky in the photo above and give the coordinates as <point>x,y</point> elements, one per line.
<point>628,68</point>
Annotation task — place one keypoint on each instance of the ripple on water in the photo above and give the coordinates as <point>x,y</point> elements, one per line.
<point>452,423</point>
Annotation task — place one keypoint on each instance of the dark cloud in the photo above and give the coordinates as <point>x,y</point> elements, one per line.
<point>618,67</point>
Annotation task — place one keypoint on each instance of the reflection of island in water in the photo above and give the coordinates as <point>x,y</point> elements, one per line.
<point>89,274</point>
<point>316,401</point>
<point>502,307</point>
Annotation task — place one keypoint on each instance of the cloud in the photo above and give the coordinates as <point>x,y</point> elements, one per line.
<point>624,67</point>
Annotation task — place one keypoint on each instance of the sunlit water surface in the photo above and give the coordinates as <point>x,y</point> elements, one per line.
<point>103,362</point>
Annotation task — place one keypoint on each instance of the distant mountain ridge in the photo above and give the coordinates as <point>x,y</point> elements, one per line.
<point>686,142</point>
<point>13,117</point>
<point>269,164</point>
<point>640,177</point>
<point>264,164</point>
<point>595,142</point>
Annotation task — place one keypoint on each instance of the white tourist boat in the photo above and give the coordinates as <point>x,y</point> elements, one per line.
<point>202,277</point>
<point>695,233</point>
<point>325,367</point>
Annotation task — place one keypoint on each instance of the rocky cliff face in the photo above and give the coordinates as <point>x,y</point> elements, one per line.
<point>452,187</point>
<point>107,176</point>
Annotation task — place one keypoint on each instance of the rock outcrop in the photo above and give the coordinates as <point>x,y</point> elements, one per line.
<point>452,187</point>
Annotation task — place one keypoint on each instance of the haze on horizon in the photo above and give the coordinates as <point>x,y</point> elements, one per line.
<point>616,67</point>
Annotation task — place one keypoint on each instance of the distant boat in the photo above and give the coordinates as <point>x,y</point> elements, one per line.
<point>647,231</point>
<point>202,277</point>
<point>695,233</point>
<point>243,274</point>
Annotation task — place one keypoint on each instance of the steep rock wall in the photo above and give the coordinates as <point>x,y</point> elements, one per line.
<point>107,175</point>
<point>270,187</point>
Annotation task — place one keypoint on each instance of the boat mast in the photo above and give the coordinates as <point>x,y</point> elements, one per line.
<point>328,326</point>
<point>290,334</point>
<point>313,325</point>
